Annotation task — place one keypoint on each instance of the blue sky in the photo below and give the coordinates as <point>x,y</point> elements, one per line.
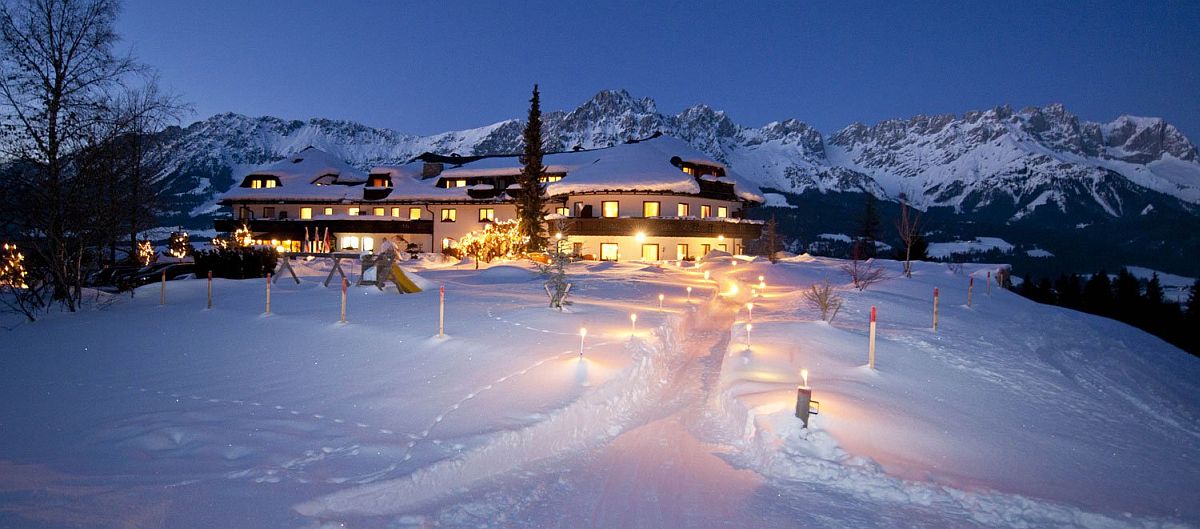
<point>429,67</point>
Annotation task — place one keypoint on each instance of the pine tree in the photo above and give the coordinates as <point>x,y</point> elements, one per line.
<point>771,240</point>
<point>1098,294</point>
<point>1154,292</point>
<point>531,199</point>
<point>1128,296</point>
<point>1193,312</point>
<point>868,230</point>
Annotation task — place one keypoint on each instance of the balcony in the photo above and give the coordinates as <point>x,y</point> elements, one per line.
<point>666,227</point>
<point>294,228</point>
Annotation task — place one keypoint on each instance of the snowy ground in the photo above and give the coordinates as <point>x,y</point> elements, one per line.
<point>1011,414</point>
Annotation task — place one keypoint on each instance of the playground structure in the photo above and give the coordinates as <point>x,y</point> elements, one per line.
<point>377,270</point>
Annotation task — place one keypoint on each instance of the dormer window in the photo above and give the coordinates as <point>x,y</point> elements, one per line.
<point>325,180</point>
<point>263,182</point>
<point>690,170</point>
<point>548,179</point>
<point>380,181</point>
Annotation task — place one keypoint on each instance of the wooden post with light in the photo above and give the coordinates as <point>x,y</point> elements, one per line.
<point>805,406</point>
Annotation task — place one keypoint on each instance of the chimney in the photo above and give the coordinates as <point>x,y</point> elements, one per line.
<point>431,169</point>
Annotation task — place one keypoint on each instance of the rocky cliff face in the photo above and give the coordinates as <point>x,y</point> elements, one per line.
<point>1007,163</point>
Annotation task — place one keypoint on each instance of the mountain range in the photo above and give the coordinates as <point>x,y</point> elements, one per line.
<point>1129,188</point>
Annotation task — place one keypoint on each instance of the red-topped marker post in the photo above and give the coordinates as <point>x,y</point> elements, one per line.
<point>871,347</point>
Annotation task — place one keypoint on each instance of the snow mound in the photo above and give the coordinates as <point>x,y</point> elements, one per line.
<point>506,274</point>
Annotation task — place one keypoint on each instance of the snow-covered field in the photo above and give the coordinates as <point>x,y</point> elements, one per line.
<point>1011,414</point>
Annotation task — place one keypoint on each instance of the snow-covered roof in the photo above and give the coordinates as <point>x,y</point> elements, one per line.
<point>296,174</point>
<point>644,165</point>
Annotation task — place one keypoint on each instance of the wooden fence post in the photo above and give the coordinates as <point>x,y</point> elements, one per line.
<point>970,289</point>
<point>935,308</point>
<point>210,289</point>
<point>162,290</point>
<point>442,311</point>
<point>268,293</point>
<point>345,283</point>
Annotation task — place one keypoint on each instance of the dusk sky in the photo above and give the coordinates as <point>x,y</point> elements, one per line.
<point>431,67</point>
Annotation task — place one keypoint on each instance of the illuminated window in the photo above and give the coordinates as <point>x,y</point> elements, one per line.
<point>563,211</point>
<point>270,183</point>
<point>378,212</point>
<point>380,181</point>
<point>609,208</point>
<point>368,244</point>
<point>651,209</point>
<point>449,214</point>
<point>256,184</point>
<point>689,170</point>
<point>353,212</point>
<point>350,242</point>
<point>608,251</point>
<point>649,252</point>
<point>268,213</point>
<point>414,213</point>
<point>328,211</point>
<point>550,178</point>
<point>681,251</point>
<point>705,211</point>
<point>460,183</point>
<point>396,212</point>
<point>306,213</point>
<point>722,212</point>
<point>683,209</point>
<point>487,215</point>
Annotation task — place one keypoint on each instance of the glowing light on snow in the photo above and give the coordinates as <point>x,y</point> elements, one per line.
<point>706,274</point>
<point>804,376</point>
<point>660,301</point>
<point>689,291</point>
<point>641,236</point>
<point>760,279</point>
<point>733,289</point>
<point>750,310</point>
<point>633,323</point>
<point>582,336</point>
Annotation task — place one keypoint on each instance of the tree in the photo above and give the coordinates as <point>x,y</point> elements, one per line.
<point>1097,294</point>
<point>63,91</point>
<point>910,229</point>
<point>868,229</point>
<point>825,299</point>
<point>531,199</point>
<point>863,273</point>
<point>1127,296</point>
<point>1193,312</point>
<point>771,241</point>
<point>1154,292</point>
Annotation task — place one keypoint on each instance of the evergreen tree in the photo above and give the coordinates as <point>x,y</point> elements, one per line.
<point>1045,291</point>
<point>531,199</point>
<point>1098,294</point>
<point>771,241</point>
<point>1193,312</point>
<point>868,230</point>
<point>1026,290</point>
<point>1154,292</point>
<point>1127,296</point>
